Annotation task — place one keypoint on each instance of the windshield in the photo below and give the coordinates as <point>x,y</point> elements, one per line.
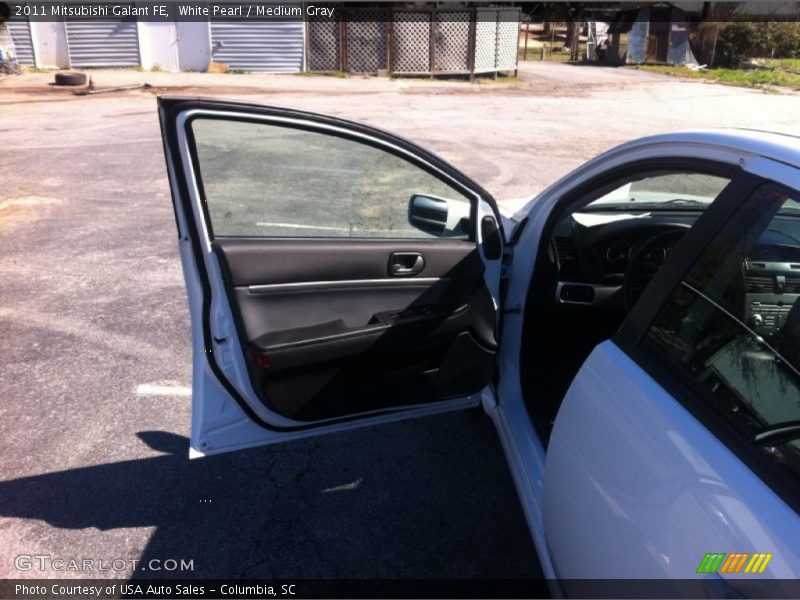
<point>663,191</point>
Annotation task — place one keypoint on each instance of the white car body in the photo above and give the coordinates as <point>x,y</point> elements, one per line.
<point>678,448</point>
<point>628,468</point>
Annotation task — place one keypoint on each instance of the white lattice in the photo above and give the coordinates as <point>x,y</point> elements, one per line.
<point>366,41</point>
<point>485,40</point>
<point>507,39</point>
<point>323,46</point>
<point>411,42</point>
<point>452,42</point>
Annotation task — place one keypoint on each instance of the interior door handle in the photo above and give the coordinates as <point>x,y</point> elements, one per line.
<point>405,264</point>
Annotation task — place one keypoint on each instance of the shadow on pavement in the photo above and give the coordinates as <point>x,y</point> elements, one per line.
<point>380,502</point>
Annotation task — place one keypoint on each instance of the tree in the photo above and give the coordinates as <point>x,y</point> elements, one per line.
<point>704,35</point>
<point>548,12</point>
<point>739,41</point>
<point>574,13</point>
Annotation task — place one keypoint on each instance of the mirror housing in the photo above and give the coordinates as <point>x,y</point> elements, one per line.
<point>428,214</point>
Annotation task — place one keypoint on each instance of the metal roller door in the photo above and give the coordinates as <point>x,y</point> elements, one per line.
<point>268,46</point>
<point>23,43</point>
<point>103,43</point>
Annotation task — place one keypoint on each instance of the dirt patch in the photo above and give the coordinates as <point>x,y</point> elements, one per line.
<point>42,94</point>
<point>38,95</point>
<point>46,89</point>
<point>25,207</point>
<point>45,93</point>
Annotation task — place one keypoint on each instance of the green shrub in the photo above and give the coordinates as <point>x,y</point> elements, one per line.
<point>742,40</point>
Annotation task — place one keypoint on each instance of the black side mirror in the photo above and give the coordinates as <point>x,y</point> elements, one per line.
<point>428,214</point>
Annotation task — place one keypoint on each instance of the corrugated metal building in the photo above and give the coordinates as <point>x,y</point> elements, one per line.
<point>103,43</point>
<point>416,40</point>
<point>264,46</point>
<point>23,42</point>
<point>654,34</point>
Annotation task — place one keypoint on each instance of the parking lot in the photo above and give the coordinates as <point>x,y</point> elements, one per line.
<point>96,349</point>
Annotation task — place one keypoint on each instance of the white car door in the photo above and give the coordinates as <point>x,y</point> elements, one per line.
<point>675,453</point>
<point>337,275</point>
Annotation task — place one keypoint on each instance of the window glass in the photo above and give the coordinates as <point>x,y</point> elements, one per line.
<point>270,181</point>
<point>733,325</point>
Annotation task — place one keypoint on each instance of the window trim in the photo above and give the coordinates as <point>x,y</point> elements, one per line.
<point>667,373</point>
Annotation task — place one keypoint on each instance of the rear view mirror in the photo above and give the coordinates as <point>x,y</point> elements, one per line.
<point>428,214</point>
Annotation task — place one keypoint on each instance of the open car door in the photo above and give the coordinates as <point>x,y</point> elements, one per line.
<point>337,275</point>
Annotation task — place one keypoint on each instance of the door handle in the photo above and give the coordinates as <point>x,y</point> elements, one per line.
<point>405,264</point>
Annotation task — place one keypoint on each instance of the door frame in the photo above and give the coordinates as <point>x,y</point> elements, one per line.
<point>207,294</point>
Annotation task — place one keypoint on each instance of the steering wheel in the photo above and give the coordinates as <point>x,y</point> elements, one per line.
<point>645,262</point>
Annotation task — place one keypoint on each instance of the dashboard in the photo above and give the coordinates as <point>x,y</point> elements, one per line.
<point>592,252</point>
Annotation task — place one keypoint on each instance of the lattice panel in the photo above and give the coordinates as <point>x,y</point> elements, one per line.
<point>366,41</point>
<point>452,41</point>
<point>485,40</point>
<point>323,46</point>
<point>507,39</point>
<point>411,42</point>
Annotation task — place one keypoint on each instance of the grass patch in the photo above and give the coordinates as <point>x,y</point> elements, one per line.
<point>339,74</point>
<point>785,64</point>
<point>738,77</point>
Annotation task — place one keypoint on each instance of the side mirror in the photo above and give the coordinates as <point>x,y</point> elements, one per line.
<point>428,214</point>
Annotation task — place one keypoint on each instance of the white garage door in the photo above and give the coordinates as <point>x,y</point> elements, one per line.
<point>23,44</point>
<point>268,46</point>
<point>103,43</point>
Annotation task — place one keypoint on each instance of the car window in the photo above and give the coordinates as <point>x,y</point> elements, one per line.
<point>732,327</point>
<point>671,190</point>
<point>261,180</point>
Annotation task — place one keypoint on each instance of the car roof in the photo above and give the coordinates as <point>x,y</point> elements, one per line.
<point>782,147</point>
